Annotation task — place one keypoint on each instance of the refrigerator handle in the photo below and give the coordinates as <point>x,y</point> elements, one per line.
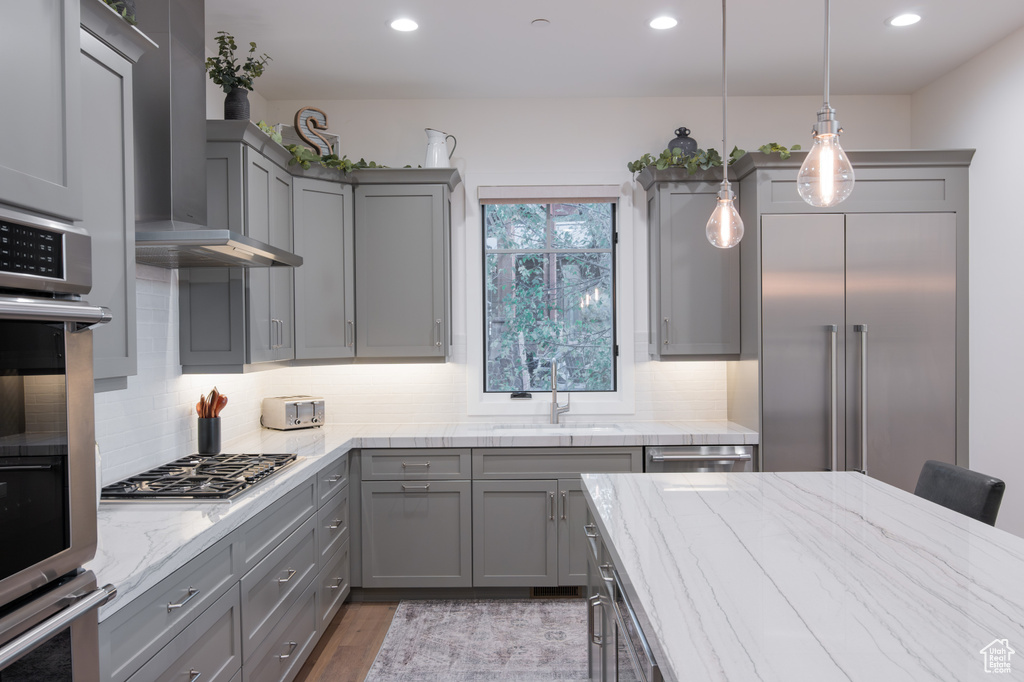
<point>862,329</point>
<point>833,414</point>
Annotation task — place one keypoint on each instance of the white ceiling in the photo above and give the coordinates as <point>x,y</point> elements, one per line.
<point>344,49</point>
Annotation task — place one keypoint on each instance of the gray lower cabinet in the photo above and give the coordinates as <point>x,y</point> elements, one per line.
<point>694,287</point>
<point>402,264</point>
<point>108,182</point>
<point>416,534</point>
<point>41,152</point>
<point>515,533</point>
<point>324,285</point>
<point>255,602</point>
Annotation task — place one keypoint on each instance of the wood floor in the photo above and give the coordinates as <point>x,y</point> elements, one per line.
<point>351,642</point>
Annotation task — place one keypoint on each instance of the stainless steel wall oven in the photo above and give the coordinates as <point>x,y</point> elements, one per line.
<point>47,440</point>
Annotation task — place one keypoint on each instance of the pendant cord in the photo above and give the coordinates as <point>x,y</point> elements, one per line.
<point>828,30</point>
<point>725,99</point>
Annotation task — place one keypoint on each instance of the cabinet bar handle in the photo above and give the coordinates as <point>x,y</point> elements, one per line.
<point>607,578</point>
<point>406,465</point>
<point>194,675</point>
<point>335,478</point>
<point>192,592</point>
<point>665,324</point>
<point>335,524</point>
<point>291,648</point>
<point>862,329</point>
<point>833,414</point>
<point>552,517</point>
<point>336,585</point>
<point>591,603</point>
<point>291,574</point>
<point>425,486</point>
<point>563,504</point>
<point>351,327</point>
<point>590,530</point>
<point>437,327</point>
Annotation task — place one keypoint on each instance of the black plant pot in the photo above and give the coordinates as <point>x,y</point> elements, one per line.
<point>236,105</point>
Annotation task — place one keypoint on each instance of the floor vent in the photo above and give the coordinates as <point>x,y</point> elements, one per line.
<point>556,592</point>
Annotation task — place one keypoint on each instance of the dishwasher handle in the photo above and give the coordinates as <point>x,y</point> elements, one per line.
<point>658,457</point>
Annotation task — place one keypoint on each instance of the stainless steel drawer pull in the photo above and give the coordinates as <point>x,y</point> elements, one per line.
<point>336,524</point>
<point>406,465</point>
<point>192,592</point>
<point>552,517</point>
<point>564,493</point>
<point>593,601</point>
<point>665,342</point>
<point>336,585</point>
<point>291,648</point>
<point>590,530</point>
<point>336,478</point>
<point>194,675</point>
<point>437,324</point>
<point>291,574</point>
<point>609,577</point>
<point>425,486</point>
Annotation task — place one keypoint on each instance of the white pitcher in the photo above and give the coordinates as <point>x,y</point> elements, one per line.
<point>437,149</point>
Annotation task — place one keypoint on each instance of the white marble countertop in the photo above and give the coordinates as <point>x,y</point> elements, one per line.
<point>809,576</point>
<point>141,543</point>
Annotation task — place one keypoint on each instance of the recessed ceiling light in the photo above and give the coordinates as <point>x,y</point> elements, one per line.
<point>904,20</point>
<point>404,25</point>
<point>662,23</point>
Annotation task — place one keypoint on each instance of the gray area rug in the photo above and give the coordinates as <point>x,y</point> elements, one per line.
<point>484,639</point>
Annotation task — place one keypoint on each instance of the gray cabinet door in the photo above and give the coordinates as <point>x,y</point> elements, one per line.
<point>515,538</point>
<point>802,295</point>
<point>109,202</point>
<point>416,534</point>
<point>901,284</point>
<point>694,286</point>
<point>282,287</point>
<point>324,291</point>
<point>40,152</point>
<point>572,541</point>
<point>400,271</point>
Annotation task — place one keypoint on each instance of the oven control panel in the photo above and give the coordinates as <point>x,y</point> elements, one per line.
<point>31,250</point>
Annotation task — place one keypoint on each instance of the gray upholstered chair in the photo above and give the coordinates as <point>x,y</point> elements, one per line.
<point>962,490</point>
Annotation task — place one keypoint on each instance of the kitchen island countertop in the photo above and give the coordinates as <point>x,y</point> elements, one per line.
<point>809,576</point>
<point>141,543</point>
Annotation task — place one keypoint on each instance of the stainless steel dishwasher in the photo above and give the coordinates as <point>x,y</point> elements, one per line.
<point>698,458</point>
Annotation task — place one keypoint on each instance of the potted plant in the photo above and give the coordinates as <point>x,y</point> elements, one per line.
<point>235,79</point>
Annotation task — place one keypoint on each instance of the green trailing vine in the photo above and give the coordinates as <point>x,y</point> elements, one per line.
<point>121,7</point>
<point>702,159</point>
<point>271,131</point>
<point>304,157</point>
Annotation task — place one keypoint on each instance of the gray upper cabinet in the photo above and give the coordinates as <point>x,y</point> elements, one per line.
<point>230,317</point>
<point>694,287</point>
<point>402,261</point>
<point>108,182</point>
<point>324,290</point>
<point>41,150</point>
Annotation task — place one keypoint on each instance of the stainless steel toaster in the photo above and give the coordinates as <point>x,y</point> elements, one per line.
<point>292,412</point>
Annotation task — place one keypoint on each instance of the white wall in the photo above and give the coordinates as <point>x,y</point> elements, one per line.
<point>520,141</point>
<point>977,106</point>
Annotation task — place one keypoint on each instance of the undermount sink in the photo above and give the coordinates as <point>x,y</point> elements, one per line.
<point>593,428</point>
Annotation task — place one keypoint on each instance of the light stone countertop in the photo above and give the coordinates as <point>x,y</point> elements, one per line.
<point>808,576</point>
<point>141,543</point>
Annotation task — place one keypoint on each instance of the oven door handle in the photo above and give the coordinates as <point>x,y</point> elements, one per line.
<point>49,310</point>
<point>51,626</point>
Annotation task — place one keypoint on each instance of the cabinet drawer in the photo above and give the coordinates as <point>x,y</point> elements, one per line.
<point>210,649</point>
<point>332,479</point>
<point>271,526</point>
<point>415,464</point>
<point>555,462</point>
<point>281,655</point>
<point>273,586</point>
<point>332,524</point>
<point>136,632</point>
<point>334,583</point>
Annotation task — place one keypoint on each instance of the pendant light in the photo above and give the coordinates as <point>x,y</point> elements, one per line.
<point>826,176</point>
<point>725,227</point>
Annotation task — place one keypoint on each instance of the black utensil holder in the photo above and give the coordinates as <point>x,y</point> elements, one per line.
<point>209,436</point>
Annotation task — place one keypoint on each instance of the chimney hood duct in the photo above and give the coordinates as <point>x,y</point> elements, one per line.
<point>171,228</point>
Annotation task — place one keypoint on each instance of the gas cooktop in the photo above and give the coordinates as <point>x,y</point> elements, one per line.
<point>199,477</point>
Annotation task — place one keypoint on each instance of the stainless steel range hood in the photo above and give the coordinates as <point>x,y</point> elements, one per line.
<point>171,229</point>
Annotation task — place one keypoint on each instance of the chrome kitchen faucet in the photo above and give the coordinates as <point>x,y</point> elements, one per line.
<point>557,409</point>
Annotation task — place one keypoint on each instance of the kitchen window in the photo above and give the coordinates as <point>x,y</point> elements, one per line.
<point>549,295</point>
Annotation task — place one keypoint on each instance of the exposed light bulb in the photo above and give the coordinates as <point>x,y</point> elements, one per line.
<point>725,227</point>
<point>826,176</point>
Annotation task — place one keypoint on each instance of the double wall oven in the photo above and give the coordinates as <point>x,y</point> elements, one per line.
<point>48,623</point>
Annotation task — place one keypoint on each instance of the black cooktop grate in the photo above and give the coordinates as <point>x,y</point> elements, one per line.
<point>209,477</point>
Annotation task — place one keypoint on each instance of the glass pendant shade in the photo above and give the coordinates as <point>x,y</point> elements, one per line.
<point>725,227</point>
<point>826,176</point>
